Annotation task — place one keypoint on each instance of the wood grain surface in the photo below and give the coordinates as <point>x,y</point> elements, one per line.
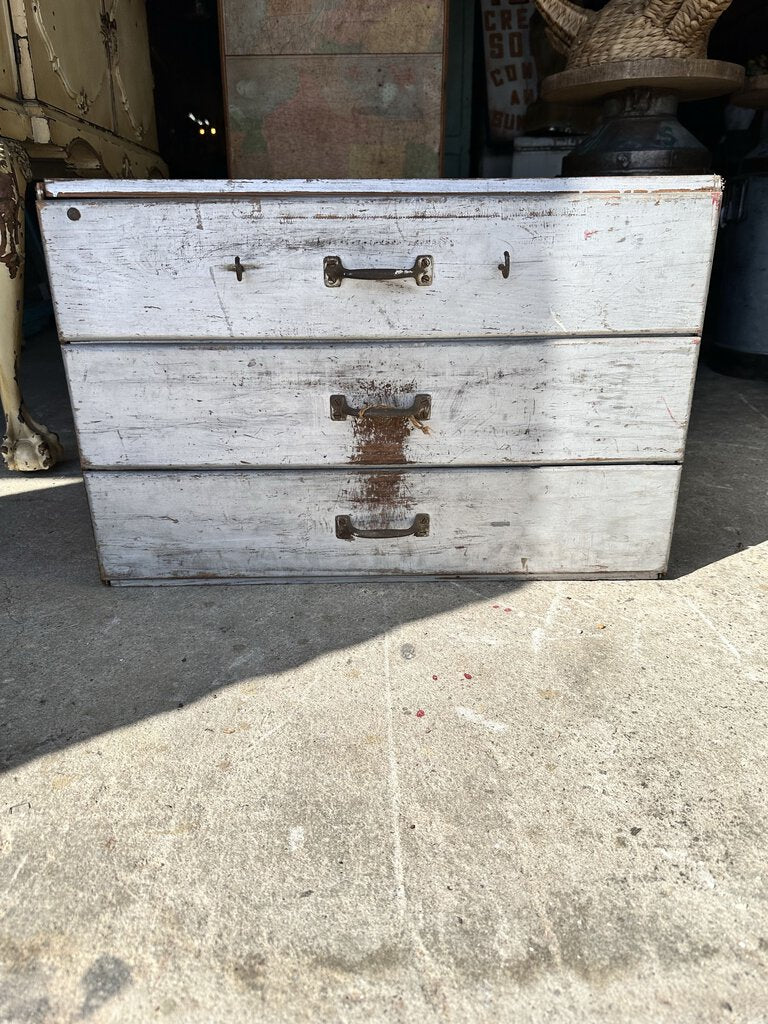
<point>580,263</point>
<point>569,519</point>
<point>545,401</point>
<point>342,115</point>
<point>333,26</point>
<point>192,188</point>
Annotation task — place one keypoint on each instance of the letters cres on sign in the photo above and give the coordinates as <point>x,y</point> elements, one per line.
<point>510,70</point>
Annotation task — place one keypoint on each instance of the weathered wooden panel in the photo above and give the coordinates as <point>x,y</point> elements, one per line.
<point>612,262</point>
<point>116,156</point>
<point>132,72</point>
<point>206,188</point>
<point>282,523</point>
<point>333,26</point>
<point>617,399</point>
<point>69,58</point>
<point>334,116</point>
<point>9,79</point>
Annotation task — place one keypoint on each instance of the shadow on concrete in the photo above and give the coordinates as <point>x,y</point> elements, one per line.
<point>78,659</point>
<point>723,504</point>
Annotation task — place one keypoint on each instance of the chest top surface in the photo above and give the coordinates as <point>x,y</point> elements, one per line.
<point>192,188</point>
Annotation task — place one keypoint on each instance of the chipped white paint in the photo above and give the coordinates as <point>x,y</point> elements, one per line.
<point>296,838</point>
<point>63,103</point>
<point>546,401</point>
<point>168,268</point>
<point>25,444</point>
<point>109,188</point>
<point>560,394</point>
<point>281,523</point>
<point>487,723</point>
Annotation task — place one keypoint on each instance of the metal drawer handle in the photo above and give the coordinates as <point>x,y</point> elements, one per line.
<point>420,409</point>
<point>346,530</point>
<point>334,272</point>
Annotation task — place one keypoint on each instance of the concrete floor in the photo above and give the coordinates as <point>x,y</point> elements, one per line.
<point>225,804</point>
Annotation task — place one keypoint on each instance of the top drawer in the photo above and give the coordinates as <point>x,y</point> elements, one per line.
<point>589,256</point>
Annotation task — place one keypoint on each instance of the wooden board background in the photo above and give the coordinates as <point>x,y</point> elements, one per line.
<point>336,88</point>
<point>333,26</point>
<point>616,399</point>
<point>564,519</point>
<point>343,116</point>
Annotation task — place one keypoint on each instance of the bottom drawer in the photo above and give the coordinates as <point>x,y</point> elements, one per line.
<point>553,520</point>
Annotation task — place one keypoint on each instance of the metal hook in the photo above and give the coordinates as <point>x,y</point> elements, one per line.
<point>504,267</point>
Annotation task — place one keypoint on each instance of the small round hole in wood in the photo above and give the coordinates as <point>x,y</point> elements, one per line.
<point>73,213</point>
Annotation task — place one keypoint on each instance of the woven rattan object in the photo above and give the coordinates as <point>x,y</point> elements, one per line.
<point>631,29</point>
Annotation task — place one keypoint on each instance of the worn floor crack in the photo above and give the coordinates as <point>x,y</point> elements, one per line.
<point>430,971</point>
<point>10,603</point>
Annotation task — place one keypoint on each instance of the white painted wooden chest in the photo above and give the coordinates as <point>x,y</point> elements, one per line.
<point>351,379</point>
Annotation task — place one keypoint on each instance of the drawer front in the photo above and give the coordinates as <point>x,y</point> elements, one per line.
<point>556,401</point>
<point>602,262</point>
<point>530,521</point>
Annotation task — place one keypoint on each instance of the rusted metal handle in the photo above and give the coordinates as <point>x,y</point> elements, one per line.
<point>346,530</point>
<point>334,272</point>
<point>420,409</point>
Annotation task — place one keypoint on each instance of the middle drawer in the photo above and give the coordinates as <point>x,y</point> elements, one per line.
<point>619,399</point>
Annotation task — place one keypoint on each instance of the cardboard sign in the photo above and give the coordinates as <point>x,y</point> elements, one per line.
<point>510,71</point>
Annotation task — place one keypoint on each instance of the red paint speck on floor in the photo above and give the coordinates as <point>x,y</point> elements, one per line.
<point>435,678</point>
<point>419,713</point>
<point>467,675</point>
<point>507,609</point>
<point>497,606</point>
